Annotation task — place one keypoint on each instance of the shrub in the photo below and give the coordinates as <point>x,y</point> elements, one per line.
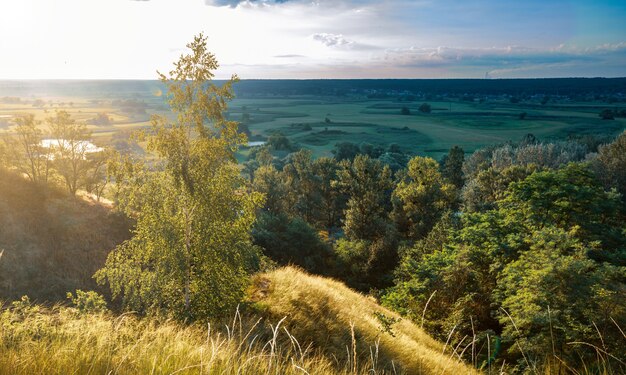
<point>88,302</point>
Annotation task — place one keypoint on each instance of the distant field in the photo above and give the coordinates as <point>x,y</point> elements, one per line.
<point>318,122</point>
<point>380,122</point>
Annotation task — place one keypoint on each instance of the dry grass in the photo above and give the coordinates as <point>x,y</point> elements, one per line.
<point>325,328</point>
<point>323,310</point>
<point>61,341</point>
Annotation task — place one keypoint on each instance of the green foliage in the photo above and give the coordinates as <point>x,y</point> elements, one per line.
<point>70,151</point>
<point>543,265</point>
<point>24,152</point>
<point>346,151</point>
<point>24,307</point>
<point>291,241</point>
<point>366,182</point>
<point>386,323</point>
<point>452,167</point>
<point>302,197</point>
<point>606,114</point>
<point>421,197</point>
<point>279,142</point>
<point>269,182</point>
<point>331,201</point>
<point>425,108</point>
<point>88,302</point>
<point>610,165</point>
<point>572,199</point>
<point>490,185</point>
<point>366,264</point>
<point>191,251</point>
<point>553,295</point>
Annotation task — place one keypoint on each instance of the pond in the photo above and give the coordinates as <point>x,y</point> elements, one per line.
<point>256,143</point>
<point>87,146</point>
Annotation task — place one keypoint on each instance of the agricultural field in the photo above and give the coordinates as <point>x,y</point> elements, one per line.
<point>113,110</point>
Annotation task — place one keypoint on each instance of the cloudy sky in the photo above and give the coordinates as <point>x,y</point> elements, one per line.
<point>131,39</point>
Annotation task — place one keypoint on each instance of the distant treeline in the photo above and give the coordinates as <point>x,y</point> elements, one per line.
<point>548,86</point>
<point>333,87</point>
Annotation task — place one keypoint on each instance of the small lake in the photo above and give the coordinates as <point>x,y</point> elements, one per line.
<point>256,143</point>
<point>85,145</point>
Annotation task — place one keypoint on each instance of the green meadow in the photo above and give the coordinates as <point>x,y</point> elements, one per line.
<point>318,122</point>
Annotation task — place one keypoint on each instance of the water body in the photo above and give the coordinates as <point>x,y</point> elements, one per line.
<point>86,146</point>
<point>256,143</point>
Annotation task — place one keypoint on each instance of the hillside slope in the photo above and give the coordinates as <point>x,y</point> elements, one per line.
<point>51,243</point>
<point>317,340</point>
<point>323,311</point>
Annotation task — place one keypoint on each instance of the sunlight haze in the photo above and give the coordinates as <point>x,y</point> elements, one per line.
<point>126,39</point>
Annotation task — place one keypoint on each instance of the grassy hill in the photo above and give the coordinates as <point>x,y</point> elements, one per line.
<point>51,243</point>
<point>329,314</point>
<point>325,327</point>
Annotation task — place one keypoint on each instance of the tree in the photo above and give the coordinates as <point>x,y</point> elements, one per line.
<point>529,139</point>
<point>346,150</point>
<point>25,151</point>
<point>610,165</point>
<point>452,166</point>
<point>70,149</point>
<point>366,182</point>
<point>302,195</point>
<point>425,108</point>
<point>269,182</point>
<point>277,234</point>
<point>98,177</point>
<point>607,114</point>
<point>278,141</point>
<point>191,252</point>
<point>484,191</point>
<point>405,111</point>
<point>370,150</point>
<point>554,295</point>
<point>421,198</point>
<point>331,200</point>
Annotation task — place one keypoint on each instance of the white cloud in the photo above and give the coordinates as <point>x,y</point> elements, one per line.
<point>333,40</point>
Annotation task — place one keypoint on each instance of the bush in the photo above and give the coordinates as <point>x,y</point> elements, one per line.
<point>607,114</point>
<point>88,302</point>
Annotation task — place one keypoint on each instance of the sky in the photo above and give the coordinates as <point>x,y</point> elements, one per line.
<point>132,39</point>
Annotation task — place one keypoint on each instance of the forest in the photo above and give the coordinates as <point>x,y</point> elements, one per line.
<point>513,255</point>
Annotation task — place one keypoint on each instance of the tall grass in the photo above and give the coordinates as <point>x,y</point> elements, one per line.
<point>60,340</point>
<point>328,314</point>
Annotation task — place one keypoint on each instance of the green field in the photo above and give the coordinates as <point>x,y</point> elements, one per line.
<point>303,120</point>
<point>469,125</point>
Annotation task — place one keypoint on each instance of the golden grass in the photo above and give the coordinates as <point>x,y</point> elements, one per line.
<point>59,340</point>
<point>323,310</point>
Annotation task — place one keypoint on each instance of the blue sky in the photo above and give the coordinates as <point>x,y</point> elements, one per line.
<point>109,39</point>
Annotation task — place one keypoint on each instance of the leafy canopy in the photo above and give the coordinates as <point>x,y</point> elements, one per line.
<point>191,251</point>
